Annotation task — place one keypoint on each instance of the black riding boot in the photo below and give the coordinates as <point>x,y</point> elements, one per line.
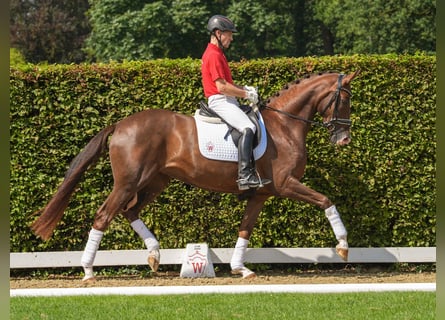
<point>247,177</point>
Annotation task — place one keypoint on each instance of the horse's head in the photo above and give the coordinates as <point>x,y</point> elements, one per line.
<point>329,94</point>
<point>335,108</point>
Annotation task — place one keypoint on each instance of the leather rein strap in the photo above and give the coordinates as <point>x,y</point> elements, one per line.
<point>334,120</point>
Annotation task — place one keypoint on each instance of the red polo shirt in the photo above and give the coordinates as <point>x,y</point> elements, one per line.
<point>214,66</point>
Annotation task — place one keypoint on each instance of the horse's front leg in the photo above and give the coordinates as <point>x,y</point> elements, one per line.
<point>342,248</point>
<point>253,209</point>
<point>294,189</point>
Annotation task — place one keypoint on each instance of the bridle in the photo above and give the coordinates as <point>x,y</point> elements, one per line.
<point>330,125</point>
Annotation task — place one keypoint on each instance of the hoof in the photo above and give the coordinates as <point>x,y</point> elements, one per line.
<point>88,279</point>
<point>246,273</point>
<point>342,252</point>
<point>154,257</point>
<point>89,274</point>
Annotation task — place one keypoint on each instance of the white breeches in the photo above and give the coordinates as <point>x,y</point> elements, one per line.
<point>228,109</point>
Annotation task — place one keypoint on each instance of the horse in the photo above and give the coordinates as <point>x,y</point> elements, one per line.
<point>149,148</point>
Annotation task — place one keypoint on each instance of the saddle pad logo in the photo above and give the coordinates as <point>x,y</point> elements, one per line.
<point>210,146</point>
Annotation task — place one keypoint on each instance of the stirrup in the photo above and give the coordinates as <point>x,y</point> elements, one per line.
<point>263,181</point>
<point>245,184</point>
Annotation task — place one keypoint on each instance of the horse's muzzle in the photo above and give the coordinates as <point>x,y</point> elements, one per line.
<point>340,137</point>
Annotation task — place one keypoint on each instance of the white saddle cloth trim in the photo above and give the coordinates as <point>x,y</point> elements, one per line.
<point>213,145</point>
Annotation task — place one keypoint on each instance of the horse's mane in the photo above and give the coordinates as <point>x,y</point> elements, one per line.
<point>295,82</point>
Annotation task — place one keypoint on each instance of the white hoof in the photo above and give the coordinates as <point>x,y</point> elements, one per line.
<point>246,273</point>
<point>154,258</point>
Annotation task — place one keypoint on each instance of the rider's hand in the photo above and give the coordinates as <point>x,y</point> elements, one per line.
<point>251,94</point>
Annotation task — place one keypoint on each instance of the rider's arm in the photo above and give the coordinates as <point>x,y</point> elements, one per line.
<point>229,89</point>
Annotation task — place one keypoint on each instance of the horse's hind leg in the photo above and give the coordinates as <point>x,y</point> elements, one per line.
<point>131,204</point>
<point>115,203</point>
<point>89,253</point>
<point>144,197</point>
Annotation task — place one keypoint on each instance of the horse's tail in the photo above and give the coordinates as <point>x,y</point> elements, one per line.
<point>53,212</point>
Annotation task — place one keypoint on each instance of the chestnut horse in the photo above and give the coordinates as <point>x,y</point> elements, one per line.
<point>151,147</point>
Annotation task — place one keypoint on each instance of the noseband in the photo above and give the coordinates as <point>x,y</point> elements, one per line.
<point>330,125</point>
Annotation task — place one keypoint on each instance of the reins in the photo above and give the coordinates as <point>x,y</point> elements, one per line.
<point>290,115</point>
<point>334,120</point>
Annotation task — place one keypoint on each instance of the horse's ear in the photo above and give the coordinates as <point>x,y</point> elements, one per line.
<point>349,77</point>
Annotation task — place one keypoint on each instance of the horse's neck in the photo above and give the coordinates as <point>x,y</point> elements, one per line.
<point>305,103</point>
<point>289,133</point>
<point>299,104</point>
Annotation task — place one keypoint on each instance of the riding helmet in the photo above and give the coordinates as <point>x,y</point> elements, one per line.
<point>219,22</point>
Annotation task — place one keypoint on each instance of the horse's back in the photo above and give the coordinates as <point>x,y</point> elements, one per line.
<point>153,135</point>
<point>153,117</point>
<point>152,123</point>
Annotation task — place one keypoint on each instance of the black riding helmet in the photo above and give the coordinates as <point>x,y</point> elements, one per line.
<point>219,22</point>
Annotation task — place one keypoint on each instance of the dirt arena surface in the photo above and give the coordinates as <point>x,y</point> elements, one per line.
<point>225,278</point>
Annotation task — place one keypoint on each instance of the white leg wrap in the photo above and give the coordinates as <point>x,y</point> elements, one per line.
<point>336,223</point>
<point>149,239</point>
<point>237,260</point>
<point>91,248</point>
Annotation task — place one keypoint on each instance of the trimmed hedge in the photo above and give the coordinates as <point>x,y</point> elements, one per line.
<point>383,183</point>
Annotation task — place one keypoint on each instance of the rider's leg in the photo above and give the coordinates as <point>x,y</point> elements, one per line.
<point>247,176</point>
<point>228,109</point>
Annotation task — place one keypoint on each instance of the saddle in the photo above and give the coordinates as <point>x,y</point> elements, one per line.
<point>208,115</point>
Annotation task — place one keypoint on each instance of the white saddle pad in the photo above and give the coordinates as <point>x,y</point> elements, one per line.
<point>213,145</point>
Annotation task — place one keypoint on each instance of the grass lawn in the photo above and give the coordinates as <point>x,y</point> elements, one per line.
<point>255,306</point>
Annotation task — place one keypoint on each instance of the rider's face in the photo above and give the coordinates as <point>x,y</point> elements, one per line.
<point>226,38</point>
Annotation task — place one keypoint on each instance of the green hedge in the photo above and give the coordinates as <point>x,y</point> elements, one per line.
<point>383,183</point>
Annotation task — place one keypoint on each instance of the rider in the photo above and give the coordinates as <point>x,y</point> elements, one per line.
<point>222,95</point>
